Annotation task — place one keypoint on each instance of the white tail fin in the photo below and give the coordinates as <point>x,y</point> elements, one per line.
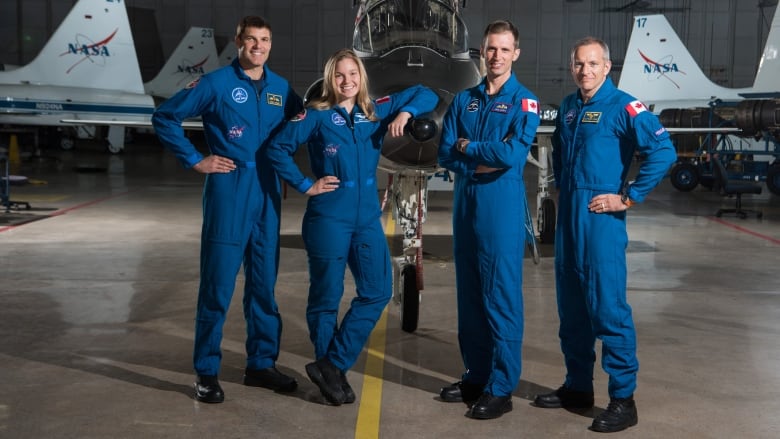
<point>93,47</point>
<point>228,53</point>
<point>768,76</point>
<point>195,55</point>
<point>658,66</point>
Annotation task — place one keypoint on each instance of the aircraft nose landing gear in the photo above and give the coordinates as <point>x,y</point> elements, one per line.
<point>409,195</point>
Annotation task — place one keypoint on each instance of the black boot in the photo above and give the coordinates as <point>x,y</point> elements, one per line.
<point>207,389</point>
<point>349,394</point>
<point>619,415</point>
<point>270,378</point>
<point>490,407</point>
<point>462,391</point>
<point>327,377</point>
<point>565,398</point>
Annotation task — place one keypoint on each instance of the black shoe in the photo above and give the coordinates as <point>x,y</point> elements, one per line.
<point>619,415</point>
<point>349,394</point>
<point>207,389</point>
<point>270,378</point>
<point>461,391</point>
<point>565,398</point>
<point>327,377</point>
<point>490,407</point>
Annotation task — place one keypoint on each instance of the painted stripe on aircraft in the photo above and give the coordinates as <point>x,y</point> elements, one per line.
<point>50,107</point>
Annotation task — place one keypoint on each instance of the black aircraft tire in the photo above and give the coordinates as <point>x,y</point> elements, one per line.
<point>684,177</point>
<point>547,223</point>
<point>410,299</point>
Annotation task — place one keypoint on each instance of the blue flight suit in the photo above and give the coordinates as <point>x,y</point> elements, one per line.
<point>488,221</point>
<point>343,227</point>
<point>240,209</point>
<point>593,147</point>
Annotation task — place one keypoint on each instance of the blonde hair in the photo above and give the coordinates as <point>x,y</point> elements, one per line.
<point>328,98</point>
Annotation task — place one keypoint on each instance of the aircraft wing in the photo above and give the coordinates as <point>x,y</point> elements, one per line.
<point>187,124</point>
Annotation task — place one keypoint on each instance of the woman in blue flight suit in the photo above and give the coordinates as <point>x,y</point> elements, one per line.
<point>344,131</point>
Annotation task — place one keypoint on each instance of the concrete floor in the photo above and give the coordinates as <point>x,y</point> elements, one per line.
<point>97,298</point>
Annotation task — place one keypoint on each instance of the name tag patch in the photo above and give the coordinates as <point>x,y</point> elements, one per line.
<point>273,99</point>
<point>591,117</point>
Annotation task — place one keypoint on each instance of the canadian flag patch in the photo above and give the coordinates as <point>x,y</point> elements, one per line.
<point>530,106</point>
<point>635,107</point>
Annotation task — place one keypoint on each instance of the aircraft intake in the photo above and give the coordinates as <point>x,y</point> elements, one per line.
<point>422,130</point>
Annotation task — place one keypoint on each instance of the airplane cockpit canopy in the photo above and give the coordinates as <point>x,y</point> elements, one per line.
<point>390,24</point>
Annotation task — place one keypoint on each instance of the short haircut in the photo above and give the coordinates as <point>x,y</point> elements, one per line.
<point>501,26</point>
<point>251,21</point>
<point>588,41</point>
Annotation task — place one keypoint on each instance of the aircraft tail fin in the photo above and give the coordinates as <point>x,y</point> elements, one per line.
<point>227,54</point>
<point>195,55</point>
<point>93,47</point>
<point>659,67</point>
<point>768,75</point>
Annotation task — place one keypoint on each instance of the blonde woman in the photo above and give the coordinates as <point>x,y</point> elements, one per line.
<point>343,130</point>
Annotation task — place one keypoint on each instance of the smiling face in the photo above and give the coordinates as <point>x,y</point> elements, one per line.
<point>499,51</point>
<point>254,46</point>
<point>589,69</point>
<point>346,80</point>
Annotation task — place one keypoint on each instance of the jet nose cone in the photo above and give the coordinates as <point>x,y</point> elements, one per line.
<point>422,130</point>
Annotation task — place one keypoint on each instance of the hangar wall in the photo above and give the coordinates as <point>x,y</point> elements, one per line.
<point>726,37</point>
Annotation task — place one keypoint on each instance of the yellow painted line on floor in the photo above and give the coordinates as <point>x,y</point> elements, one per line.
<point>367,426</point>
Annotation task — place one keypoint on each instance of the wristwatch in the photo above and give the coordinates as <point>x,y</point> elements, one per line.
<point>627,201</point>
<point>462,144</point>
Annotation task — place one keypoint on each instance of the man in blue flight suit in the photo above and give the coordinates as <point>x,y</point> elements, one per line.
<point>242,105</point>
<point>487,133</point>
<point>598,131</point>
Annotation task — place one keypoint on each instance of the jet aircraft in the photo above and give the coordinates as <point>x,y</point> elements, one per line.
<point>87,70</point>
<point>659,70</point>
<point>193,57</point>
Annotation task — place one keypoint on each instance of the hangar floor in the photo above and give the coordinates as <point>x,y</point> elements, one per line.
<point>98,283</point>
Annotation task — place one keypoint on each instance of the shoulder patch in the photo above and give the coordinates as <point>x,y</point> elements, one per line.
<point>383,100</point>
<point>530,106</point>
<point>299,117</point>
<point>635,107</point>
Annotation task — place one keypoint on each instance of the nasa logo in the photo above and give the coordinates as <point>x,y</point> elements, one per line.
<point>331,150</point>
<point>89,50</point>
<point>235,132</point>
<point>473,106</point>
<point>194,69</point>
<point>570,116</point>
